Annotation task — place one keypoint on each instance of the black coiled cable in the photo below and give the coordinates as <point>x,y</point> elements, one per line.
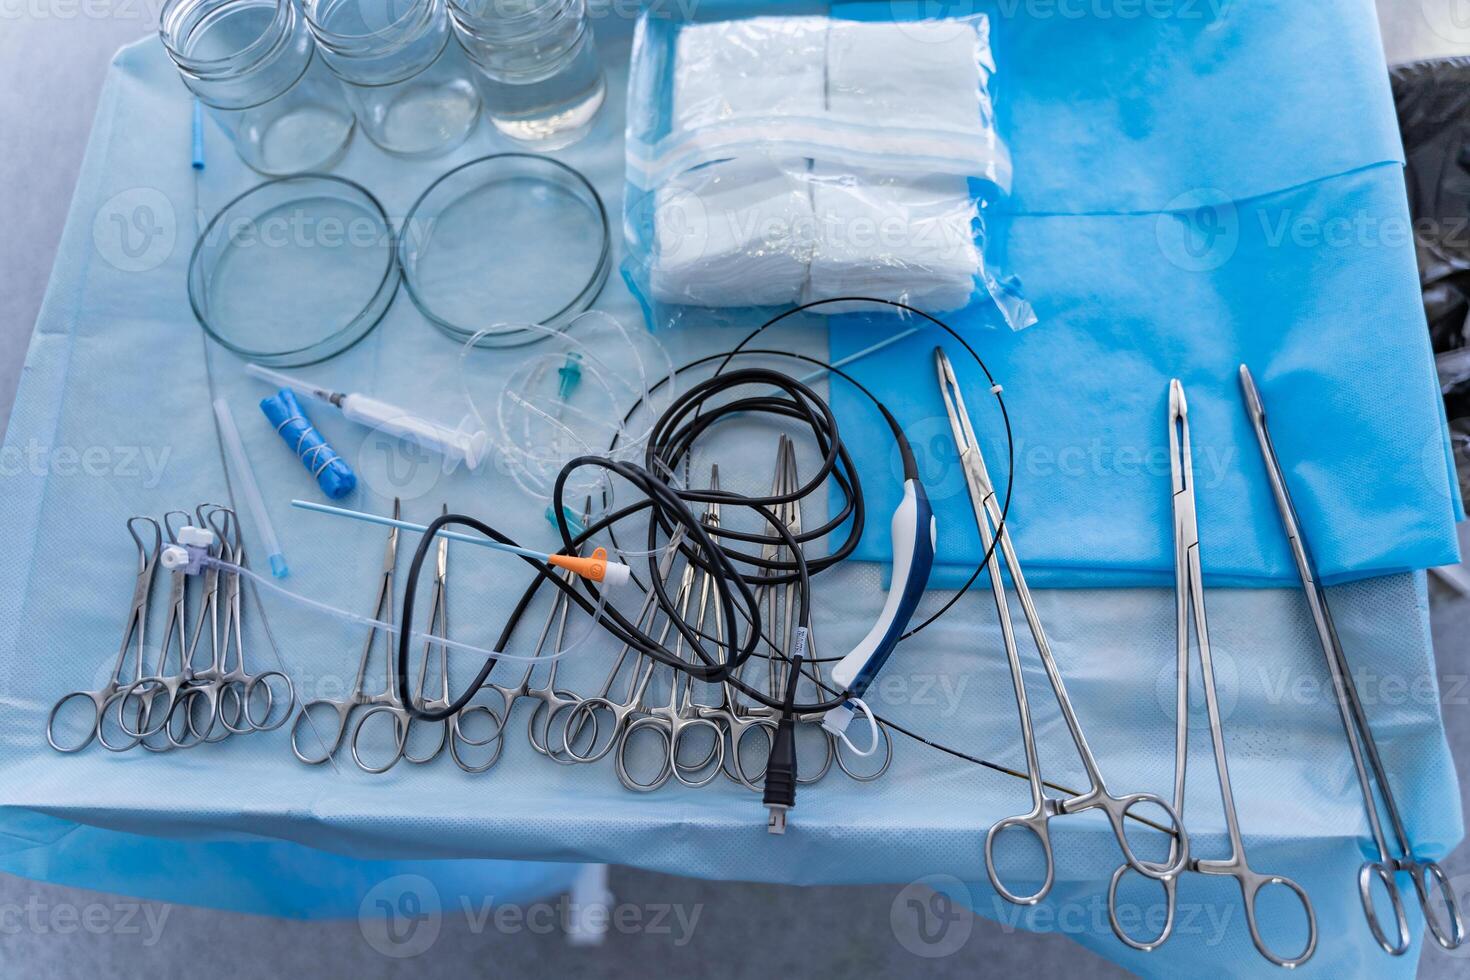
<point>736,573</point>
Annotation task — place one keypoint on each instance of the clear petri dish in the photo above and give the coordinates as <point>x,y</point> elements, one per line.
<point>509,239</point>
<point>294,270</point>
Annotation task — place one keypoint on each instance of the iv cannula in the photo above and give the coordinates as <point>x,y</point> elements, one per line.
<point>597,567</point>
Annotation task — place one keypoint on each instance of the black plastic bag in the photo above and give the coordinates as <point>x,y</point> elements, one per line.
<point>1432,99</point>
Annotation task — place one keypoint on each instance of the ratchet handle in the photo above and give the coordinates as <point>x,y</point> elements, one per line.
<point>914,533</point>
<point>1036,824</point>
<point>1170,886</point>
<point>1381,872</point>
<point>1425,873</point>
<point>1251,884</point>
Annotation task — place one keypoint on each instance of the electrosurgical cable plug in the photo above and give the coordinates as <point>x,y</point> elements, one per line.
<point>780,783</point>
<point>187,553</point>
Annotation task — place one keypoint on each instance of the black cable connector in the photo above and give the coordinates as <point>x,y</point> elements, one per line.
<point>780,785</point>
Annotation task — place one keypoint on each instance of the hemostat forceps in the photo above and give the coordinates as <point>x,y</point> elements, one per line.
<point>781,615</point>
<point>247,689</point>
<point>1359,736</point>
<point>453,728</point>
<point>547,700</point>
<point>193,709</point>
<point>550,699</point>
<point>1189,595</point>
<point>153,696</point>
<point>199,707</point>
<point>734,718</point>
<point>674,721</point>
<point>133,630</point>
<point>1043,808</point>
<point>635,715</point>
<point>357,697</point>
<point>448,732</point>
<point>596,709</point>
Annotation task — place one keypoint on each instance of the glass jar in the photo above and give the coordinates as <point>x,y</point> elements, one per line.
<point>253,65</point>
<point>536,66</point>
<point>405,77</point>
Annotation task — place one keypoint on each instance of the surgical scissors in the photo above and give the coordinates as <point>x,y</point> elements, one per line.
<point>1189,596</point>
<point>1359,734</point>
<point>1043,807</point>
<point>133,634</point>
<point>357,697</point>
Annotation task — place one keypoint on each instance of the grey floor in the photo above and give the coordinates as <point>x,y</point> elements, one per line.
<point>53,54</point>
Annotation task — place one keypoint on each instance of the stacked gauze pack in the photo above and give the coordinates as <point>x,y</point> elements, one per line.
<point>762,229</point>
<point>739,231</point>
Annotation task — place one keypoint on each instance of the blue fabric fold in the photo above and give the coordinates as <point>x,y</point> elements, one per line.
<point>1313,287</point>
<point>1197,185</point>
<point>256,876</point>
<point>1118,108</point>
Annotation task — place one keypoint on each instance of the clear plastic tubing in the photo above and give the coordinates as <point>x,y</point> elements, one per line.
<point>254,66</point>
<point>536,66</point>
<point>406,78</point>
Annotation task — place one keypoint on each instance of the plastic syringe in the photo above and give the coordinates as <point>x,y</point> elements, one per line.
<point>461,445</point>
